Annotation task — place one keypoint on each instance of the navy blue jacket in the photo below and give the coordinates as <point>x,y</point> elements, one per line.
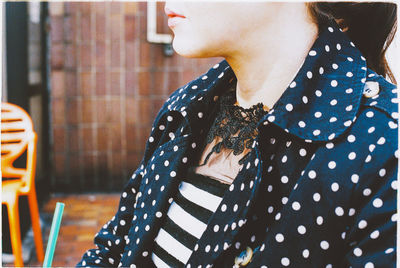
<point>318,190</point>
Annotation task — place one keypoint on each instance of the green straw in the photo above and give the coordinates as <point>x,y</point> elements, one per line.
<point>55,227</point>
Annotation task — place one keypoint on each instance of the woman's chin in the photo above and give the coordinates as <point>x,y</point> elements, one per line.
<point>189,50</point>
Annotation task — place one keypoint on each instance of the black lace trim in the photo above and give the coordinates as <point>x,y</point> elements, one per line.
<point>232,119</point>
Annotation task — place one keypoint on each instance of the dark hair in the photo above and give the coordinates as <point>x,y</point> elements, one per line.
<point>371,26</point>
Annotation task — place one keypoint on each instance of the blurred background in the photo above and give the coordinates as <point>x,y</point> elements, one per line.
<point>92,76</point>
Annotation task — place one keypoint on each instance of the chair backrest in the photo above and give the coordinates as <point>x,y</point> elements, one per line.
<point>17,135</point>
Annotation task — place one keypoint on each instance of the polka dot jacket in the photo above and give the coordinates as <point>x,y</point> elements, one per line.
<point>318,190</point>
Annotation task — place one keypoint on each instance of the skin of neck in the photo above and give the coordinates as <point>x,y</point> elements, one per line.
<point>268,59</point>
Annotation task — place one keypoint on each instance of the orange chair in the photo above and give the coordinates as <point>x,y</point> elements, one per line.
<point>17,135</point>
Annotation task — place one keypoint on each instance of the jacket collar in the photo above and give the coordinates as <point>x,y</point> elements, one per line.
<point>318,105</point>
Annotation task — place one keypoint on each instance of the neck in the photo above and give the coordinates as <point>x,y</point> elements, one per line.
<point>270,58</point>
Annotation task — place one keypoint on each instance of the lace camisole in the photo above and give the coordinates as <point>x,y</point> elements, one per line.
<point>228,143</point>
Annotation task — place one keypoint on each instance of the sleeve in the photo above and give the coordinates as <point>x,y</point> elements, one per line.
<point>112,238</point>
<point>371,235</point>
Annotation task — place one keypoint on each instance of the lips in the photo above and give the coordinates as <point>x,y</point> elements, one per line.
<point>171,14</point>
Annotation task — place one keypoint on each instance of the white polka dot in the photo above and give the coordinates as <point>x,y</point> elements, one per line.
<point>362,224</point>
<point>389,250</point>
<point>301,229</point>
<point>305,99</point>
<point>334,83</point>
<point>302,152</point>
<point>332,164</point>
<point>351,138</point>
<point>312,53</point>
<point>318,114</point>
<point>317,197</point>
<point>357,252</point>
<point>321,70</point>
<point>324,245</point>
<point>334,66</point>
<point>367,192</point>
<point>285,261</point>
<point>352,155</point>
<point>216,228</point>
<point>381,140</point>
<point>309,75</point>
<point>374,234</point>
<point>394,185</point>
<point>284,179</point>
<point>320,220</point>
<point>377,202</point>
<point>335,187</point>
<point>289,107</point>
<point>339,211</point>
<point>223,208</point>
<point>371,129</point>
<point>349,108</point>
<point>306,253</point>
<point>369,265</point>
<point>312,174</point>
<point>354,178</point>
<point>302,124</point>
<point>296,205</point>
<point>231,187</point>
<point>292,85</point>
<point>279,238</point>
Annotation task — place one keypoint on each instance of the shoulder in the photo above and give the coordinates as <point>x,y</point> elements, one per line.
<point>381,95</point>
<point>377,117</point>
<point>180,111</point>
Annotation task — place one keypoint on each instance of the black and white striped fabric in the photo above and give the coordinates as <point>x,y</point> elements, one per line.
<point>187,217</point>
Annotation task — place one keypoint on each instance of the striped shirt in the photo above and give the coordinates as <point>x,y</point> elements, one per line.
<point>187,217</point>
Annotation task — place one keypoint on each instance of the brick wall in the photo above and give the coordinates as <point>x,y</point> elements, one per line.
<point>107,85</point>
